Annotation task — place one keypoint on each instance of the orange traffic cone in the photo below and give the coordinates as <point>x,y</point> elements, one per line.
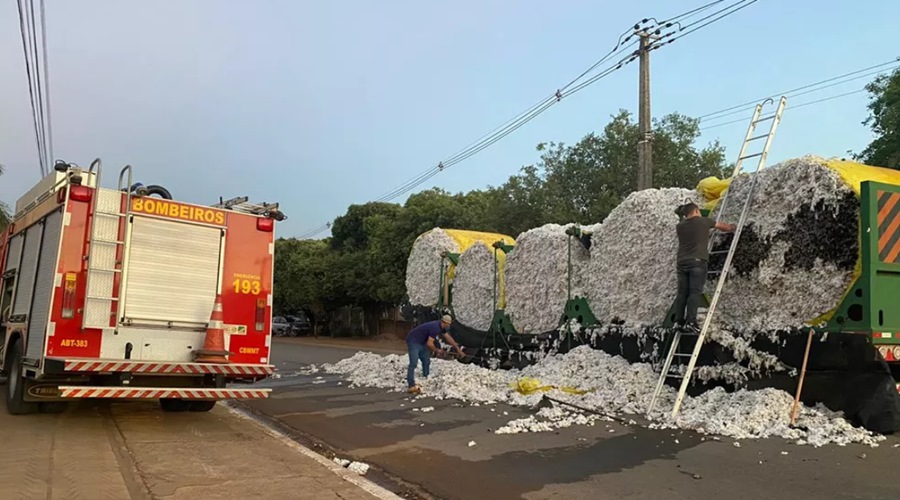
<point>214,345</point>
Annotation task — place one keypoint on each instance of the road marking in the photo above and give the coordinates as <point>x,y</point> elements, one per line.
<point>345,474</point>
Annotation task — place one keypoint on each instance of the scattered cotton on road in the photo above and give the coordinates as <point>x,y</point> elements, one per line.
<point>615,387</point>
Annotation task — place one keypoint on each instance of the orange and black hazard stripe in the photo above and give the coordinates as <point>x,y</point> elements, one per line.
<point>889,227</point>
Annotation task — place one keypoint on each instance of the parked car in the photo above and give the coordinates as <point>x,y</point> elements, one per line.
<point>280,326</point>
<point>300,324</point>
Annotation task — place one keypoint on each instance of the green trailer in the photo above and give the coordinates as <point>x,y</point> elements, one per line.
<point>871,306</point>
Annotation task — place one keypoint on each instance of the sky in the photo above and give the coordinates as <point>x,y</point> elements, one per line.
<point>318,105</point>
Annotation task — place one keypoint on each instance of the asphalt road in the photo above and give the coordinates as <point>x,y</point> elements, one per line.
<point>428,453</point>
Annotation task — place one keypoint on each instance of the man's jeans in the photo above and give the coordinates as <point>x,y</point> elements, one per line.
<point>417,352</point>
<point>691,279</point>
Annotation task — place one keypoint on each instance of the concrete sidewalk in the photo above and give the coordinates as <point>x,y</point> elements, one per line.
<point>97,450</point>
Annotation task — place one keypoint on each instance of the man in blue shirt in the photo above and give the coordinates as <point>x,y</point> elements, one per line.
<point>420,340</point>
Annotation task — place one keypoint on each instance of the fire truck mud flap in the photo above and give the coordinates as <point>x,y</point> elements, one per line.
<point>68,392</point>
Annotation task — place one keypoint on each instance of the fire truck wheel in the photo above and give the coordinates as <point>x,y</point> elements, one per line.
<point>202,405</point>
<point>174,404</point>
<point>15,386</point>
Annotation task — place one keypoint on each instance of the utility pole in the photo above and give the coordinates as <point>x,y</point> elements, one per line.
<point>645,144</point>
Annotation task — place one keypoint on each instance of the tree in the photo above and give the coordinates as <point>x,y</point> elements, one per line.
<point>348,231</point>
<point>364,262</point>
<point>300,276</point>
<point>884,120</point>
<point>4,211</point>
<point>584,182</point>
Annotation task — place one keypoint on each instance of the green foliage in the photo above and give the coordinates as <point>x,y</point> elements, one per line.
<point>364,262</point>
<point>884,120</point>
<point>584,182</point>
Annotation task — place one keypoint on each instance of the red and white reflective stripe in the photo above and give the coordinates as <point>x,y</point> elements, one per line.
<point>167,368</point>
<point>882,335</point>
<point>76,392</point>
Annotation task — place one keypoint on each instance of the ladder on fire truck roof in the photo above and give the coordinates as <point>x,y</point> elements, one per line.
<point>106,250</point>
<point>240,204</point>
<point>665,374</point>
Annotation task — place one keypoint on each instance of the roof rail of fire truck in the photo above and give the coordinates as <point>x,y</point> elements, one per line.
<point>240,204</point>
<point>72,175</point>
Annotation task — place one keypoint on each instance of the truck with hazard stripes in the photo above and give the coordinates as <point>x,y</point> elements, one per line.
<point>127,294</point>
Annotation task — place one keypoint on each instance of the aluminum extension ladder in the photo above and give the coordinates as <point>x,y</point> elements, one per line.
<point>241,204</point>
<point>106,251</point>
<point>666,372</point>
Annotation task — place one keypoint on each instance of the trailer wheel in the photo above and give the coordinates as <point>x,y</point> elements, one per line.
<point>174,404</point>
<point>15,386</point>
<point>202,405</point>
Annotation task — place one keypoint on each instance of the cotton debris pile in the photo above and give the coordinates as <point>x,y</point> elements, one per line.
<point>798,248</point>
<point>423,268</point>
<point>536,277</point>
<point>473,287</point>
<point>547,419</point>
<point>615,387</point>
<point>632,274</point>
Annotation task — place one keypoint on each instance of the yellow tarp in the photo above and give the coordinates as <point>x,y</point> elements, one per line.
<point>855,173</point>
<point>852,173</point>
<point>465,239</point>
<point>528,386</point>
<point>711,188</point>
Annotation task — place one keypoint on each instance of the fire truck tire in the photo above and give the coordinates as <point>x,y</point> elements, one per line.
<point>174,404</point>
<point>15,386</point>
<point>202,405</point>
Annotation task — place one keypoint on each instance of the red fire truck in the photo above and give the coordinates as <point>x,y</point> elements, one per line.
<point>109,293</point>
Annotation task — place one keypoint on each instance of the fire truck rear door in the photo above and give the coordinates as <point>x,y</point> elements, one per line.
<point>173,271</point>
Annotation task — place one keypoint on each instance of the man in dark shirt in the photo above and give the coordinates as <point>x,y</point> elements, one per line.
<point>693,257</point>
<point>420,340</point>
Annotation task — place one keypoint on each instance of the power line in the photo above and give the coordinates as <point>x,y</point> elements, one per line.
<point>810,103</point>
<point>808,91</point>
<point>497,137</point>
<point>36,63</point>
<point>34,109</point>
<point>39,86</point>
<point>703,22</point>
<point>894,61</point>
<point>491,139</point>
<point>543,105</point>
<point>729,10</point>
<point>693,12</point>
<point>47,86</point>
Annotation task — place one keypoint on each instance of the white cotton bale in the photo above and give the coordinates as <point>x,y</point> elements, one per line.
<point>632,272</point>
<point>797,252</point>
<point>473,287</point>
<point>536,277</point>
<point>423,268</point>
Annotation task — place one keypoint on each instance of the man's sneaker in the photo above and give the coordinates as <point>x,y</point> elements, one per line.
<point>414,390</point>
<point>691,328</point>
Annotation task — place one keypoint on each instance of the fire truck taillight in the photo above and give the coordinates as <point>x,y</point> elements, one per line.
<point>68,301</point>
<point>80,193</point>
<point>260,314</point>
<point>265,224</point>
